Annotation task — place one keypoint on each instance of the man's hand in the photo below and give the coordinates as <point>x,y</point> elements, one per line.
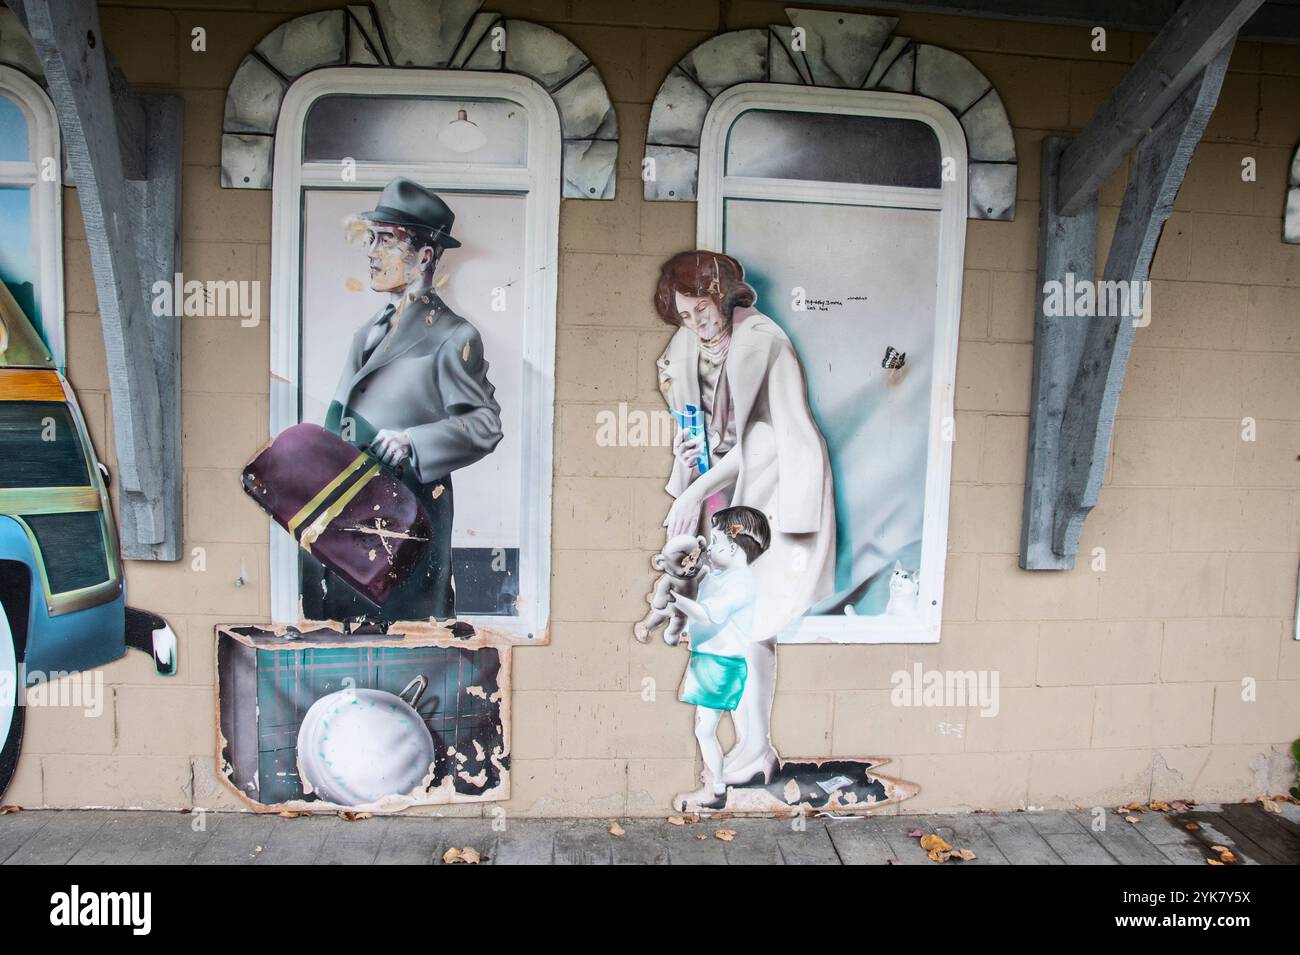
<point>392,447</point>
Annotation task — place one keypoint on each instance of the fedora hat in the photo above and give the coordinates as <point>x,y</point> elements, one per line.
<point>408,203</point>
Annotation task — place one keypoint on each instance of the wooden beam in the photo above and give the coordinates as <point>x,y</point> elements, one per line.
<point>124,152</point>
<point>1078,453</point>
<point>1067,246</point>
<point>1277,21</point>
<point>1189,41</point>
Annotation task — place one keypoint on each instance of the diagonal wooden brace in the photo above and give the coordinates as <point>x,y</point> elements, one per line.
<point>124,150</point>
<point>1079,362</point>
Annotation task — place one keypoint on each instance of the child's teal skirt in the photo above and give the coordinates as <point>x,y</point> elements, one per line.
<point>714,681</point>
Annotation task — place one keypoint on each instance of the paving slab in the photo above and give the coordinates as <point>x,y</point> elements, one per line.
<point>56,843</point>
<point>1122,840</point>
<point>859,842</point>
<point>234,838</point>
<point>1079,848</point>
<point>18,827</point>
<point>1019,841</point>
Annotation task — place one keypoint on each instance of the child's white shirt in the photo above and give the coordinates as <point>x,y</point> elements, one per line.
<point>728,596</point>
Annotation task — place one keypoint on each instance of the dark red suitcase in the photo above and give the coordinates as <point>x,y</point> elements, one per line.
<point>342,507</point>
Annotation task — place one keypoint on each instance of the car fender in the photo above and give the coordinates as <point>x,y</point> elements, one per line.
<point>67,642</point>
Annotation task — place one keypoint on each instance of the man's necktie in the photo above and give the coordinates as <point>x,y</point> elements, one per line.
<point>377,333</point>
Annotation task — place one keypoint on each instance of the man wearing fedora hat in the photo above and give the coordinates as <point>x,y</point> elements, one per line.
<point>415,391</point>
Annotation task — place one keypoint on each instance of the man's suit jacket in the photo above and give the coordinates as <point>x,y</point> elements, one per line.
<point>428,377</point>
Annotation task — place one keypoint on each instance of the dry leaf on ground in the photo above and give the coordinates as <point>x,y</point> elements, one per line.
<point>676,821</point>
<point>466,856</point>
<point>616,830</point>
<point>1131,820</point>
<point>726,835</point>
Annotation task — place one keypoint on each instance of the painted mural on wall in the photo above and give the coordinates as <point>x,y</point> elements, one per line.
<point>751,537</point>
<point>317,719</point>
<point>411,406</point>
<point>401,489</point>
<point>62,596</point>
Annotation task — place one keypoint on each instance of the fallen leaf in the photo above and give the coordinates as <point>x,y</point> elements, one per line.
<point>1213,862</point>
<point>353,816</point>
<point>916,833</point>
<point>616,830</point>
<point>676,821</point>
<point>1159,806</point>
<point>932,843</point>
<point>937,855</point>
<point>1270,806</point>
<point>6,810</point>
<point>965,855</point>
<point>1131,820</point>
<point>1178,806</point>
<point>1220,849</point>
<point>466,856</point>
<point>1227,857</point>
<point>290,813</point>
<point>1191,826</point>
<point>726,835</point>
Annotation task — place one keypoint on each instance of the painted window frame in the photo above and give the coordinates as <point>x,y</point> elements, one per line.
<point>541,183</point>
<point>46,200</point>
<point>715,187</point>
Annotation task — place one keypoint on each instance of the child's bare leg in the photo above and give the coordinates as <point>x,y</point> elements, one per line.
<point>706,734</point>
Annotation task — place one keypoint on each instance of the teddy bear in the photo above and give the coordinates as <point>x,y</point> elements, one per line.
<point>680,561</point>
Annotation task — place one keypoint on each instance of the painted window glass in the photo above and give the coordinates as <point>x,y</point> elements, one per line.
<point>31,237</point>
<point>824,147</point>
<point>851,235</point>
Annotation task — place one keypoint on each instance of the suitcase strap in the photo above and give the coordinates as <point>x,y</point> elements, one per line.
<point>322,510</point>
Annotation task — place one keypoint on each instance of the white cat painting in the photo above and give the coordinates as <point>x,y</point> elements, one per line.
<point>904,588</point>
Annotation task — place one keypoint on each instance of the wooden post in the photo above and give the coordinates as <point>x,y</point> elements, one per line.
<point>125,155</point>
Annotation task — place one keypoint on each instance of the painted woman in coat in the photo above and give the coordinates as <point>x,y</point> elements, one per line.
<point>763,449</point>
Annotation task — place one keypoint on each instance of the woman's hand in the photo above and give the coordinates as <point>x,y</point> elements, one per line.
<point>687,447</point>
<point>684,515</point>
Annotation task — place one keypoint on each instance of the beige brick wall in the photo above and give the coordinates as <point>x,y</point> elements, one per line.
<point>1115,685</point>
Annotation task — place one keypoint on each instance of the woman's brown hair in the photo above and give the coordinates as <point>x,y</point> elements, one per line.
<point>699,274</point>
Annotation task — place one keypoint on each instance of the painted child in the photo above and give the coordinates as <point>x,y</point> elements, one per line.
<point>720,621</point>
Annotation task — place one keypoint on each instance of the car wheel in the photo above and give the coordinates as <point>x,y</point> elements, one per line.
<point>11,714</point>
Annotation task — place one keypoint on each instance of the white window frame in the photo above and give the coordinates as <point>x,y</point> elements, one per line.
<point>541,183</point>
<point>46,200</point>
<point>951,201</point>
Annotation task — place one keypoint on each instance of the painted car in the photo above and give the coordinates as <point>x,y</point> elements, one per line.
<point>62,592</point>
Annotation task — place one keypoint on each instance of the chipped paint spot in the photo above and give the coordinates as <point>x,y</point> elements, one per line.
<point>353,284</point>
<point>477,691</point>
<point>464,352</point>
<point>437,492</point>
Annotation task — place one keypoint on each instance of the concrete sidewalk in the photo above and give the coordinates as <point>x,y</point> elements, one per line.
<point>98,837</point>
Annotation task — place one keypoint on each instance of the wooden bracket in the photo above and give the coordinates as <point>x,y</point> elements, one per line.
<point>1079,362</point>
<point>124,150</point>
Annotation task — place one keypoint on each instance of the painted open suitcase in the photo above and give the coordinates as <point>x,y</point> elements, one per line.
<point>342,506</point>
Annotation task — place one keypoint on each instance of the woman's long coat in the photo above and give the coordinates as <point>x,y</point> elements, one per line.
<point>785,469</point>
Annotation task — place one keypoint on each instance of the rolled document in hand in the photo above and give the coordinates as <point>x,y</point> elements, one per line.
<point>692,421</point>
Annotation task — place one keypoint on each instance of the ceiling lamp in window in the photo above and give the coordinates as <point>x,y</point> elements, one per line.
<point>462,135</point>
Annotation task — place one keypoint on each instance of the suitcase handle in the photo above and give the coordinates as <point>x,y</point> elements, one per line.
<point>421,683</point>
